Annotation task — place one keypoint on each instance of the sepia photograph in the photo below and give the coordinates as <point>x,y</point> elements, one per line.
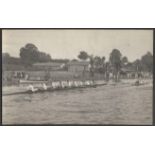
<point>77,76</point>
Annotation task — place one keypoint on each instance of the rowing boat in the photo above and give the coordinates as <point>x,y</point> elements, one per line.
<point>21,81</point>
<point>50,89</point>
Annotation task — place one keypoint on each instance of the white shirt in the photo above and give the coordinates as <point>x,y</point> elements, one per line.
<point>31,87</point>
<point>70,83</point>
<point>44,86</point>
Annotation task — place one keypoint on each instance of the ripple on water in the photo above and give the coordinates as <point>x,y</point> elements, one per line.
<point>102,105</point>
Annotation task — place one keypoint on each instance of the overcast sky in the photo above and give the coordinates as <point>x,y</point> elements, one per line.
<point>68,43</point>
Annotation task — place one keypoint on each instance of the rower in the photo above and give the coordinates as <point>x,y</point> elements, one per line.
<point>80,83</point>
<point>70,84</point>
<point>44,86</point>
<point>63,84</point>
<point>58,84</point>
<point>66,84</point>
<point>31,87</point>
<point>51,85</point>
<point>54,85</point>
<point>87,83</point>
<point>91,82</point>
<point>83,83</point>
<point>76,83</point>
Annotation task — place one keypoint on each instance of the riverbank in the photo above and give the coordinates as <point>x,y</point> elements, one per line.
<point>9,79</point>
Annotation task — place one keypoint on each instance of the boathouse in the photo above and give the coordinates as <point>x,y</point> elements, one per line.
<point>78,66</point>
<point>51,66</point>
<point>128,73</point>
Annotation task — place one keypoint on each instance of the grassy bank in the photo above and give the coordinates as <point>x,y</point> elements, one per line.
<point>8,76</point>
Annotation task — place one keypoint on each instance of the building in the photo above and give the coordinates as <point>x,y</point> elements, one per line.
<point>128,72</point>
<point>50,66</point>
<point>78,66</point>
<point>12,67</point>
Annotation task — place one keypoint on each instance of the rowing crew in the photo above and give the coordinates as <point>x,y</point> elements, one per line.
<point>62,84</point>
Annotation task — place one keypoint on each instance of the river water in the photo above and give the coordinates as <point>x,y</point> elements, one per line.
<point>120,104</point>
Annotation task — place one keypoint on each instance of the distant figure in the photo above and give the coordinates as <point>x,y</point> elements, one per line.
<point>137,83</point>
<point>107,76</point>
<point>26,76</point>
<point>91,72</point>
<point>133,75</point>
<point>18,75</point>
<point>15,74</point>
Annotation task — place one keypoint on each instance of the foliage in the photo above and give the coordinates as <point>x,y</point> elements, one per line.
<point>115,59</point>
<point>74,60</point>
<point>91,60</point>
<point>103,59</point>
<point>137,65</point>
<point>30,54</point>
<point>7,59</point>
<point>83,55</point>
<point>147,62</point>
<point>97,61</point>
<point>60,60</point>
<point>5,55</point>
<point>124,60</point>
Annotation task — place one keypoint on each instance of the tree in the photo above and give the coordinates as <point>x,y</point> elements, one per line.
<point>97,61</point>
<point>115,60</point>
<point>43,57</point>
<point>91,65</point>
<point>124,61</point>
<point>74,60</point>
<point>5,55</point>
<point>137,65</point>
<point>91,60</point>
<point>107,71</point>
<point>147,62</point>
<point>103,65</point>
<point>30,54</point>
<point>83,55</point>
<point>103,60</point>
<point>5,58</point>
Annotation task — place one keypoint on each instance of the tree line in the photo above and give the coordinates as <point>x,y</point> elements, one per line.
<point>118,61</point>
<point>30,54</point>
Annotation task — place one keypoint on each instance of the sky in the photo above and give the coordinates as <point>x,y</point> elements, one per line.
<point>61,43</point>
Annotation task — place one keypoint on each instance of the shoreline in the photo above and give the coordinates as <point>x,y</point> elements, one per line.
<point>9,84</point>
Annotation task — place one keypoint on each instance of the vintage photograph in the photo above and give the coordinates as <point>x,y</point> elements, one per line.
<point>77,77</point>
